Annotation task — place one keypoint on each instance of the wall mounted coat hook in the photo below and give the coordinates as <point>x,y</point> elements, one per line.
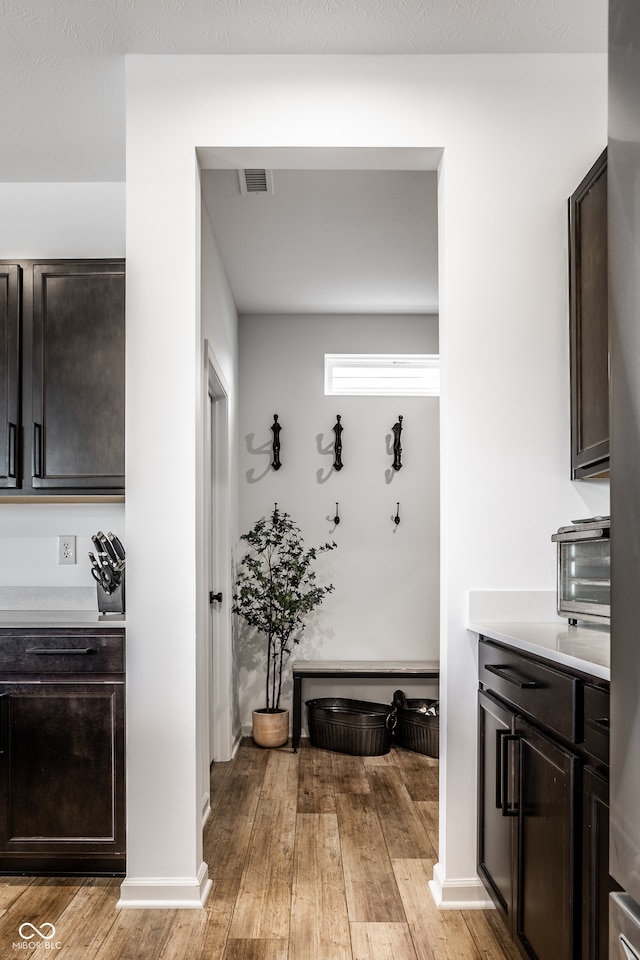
<point>337,447</point>
<point>397,449</point>
<point>336,519</point>
<point>396,519</point>
<point>275,429</point>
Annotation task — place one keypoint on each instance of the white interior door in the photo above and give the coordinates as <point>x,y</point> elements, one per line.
<point>219,660</point>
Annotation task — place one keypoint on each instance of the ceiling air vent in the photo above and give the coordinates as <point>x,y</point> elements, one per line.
<point>255,181</point>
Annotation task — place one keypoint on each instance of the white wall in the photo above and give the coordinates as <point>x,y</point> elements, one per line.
<point>518,134</point>
<point>386,577</point>
<point>57,220</point>
<point>29,541</point>
<point>62,220</point>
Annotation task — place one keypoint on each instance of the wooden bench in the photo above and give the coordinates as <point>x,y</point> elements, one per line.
<point>360,669</point>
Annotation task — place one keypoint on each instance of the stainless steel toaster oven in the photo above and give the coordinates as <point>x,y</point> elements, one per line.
<point>584,570</point>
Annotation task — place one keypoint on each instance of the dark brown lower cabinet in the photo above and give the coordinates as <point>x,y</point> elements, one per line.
<point>596,882</point>
<point>546,882</point>
<point>62,760</point>
<point>496,834</point>
<point>543,803</point>
<point>526,855</point>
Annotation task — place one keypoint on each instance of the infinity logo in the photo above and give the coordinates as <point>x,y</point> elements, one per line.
<point>37,931</point>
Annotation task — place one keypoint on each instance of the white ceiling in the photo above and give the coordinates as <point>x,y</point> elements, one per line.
<point>369,239</point>
<point>62,61</point>
<point>329,241</point>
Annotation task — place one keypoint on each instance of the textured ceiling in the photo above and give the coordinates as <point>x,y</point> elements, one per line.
<point>62,66</point>
<point>60,28</point>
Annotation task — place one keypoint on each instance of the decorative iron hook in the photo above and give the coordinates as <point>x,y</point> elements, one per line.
<point>337,447</point>
<point>336,519</point>
<point>396,519</point>
<point>275,429</point>
<point>397,449</point>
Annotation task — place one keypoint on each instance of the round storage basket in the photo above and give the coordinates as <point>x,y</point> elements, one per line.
<point>416,729</point>
<point>357,727</point>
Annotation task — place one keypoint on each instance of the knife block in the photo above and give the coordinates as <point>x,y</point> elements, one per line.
<point>111,602</point>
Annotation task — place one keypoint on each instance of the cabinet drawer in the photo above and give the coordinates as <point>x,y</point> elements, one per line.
<point>596,722</point>
<point>545,694</point>
<point>60,652</point>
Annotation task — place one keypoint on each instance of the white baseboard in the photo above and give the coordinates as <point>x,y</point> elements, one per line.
<point>206,808</point>
<point>459,894</point>
<point>236,742</point>
<point>166,893</point>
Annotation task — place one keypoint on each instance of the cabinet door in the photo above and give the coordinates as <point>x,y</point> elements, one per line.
<point>78,376</point>
<point>10,283</point>
<point>62,777</point>
<point>546,914</point>
<point>596,882</point>
<point>589,325</point>
<point>495,810</point>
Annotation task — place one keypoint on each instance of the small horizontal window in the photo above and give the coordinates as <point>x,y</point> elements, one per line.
<point>380,375</point>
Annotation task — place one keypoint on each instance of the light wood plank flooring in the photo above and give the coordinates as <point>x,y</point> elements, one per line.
<point>313,856</point>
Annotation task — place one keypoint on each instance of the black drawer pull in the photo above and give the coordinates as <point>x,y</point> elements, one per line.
<point>501,672</point>
<point>601,724</point>
<point>60,651</point>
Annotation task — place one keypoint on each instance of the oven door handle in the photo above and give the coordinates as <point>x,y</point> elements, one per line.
<point>597,534</point>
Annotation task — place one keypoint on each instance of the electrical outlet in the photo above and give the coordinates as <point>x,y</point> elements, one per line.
<point>67,549</point>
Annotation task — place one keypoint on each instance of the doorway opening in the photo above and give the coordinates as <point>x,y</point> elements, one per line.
<point>257,490</point>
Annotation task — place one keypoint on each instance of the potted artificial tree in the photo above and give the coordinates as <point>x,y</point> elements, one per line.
<point>275,590</point>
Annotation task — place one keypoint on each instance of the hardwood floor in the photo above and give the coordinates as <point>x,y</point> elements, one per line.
<point>313,856</point>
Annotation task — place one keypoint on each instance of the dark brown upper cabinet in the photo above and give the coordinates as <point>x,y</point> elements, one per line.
<point>67,436</point>
<point>10,302</point>
<point>589,326</point>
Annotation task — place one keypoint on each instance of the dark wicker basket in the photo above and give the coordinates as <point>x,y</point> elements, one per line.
<point>416,730</point>
<point>357,727</point>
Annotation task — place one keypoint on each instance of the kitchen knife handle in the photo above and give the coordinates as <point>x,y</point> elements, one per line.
<point>60,651</point>
<point>501,671</point>
<point>37,450</point>
<point>509,807</point>
<point>11,465</point>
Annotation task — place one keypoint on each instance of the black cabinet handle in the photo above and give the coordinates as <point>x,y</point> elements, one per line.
<point>509,807</point>
<point>4,726</point>
<point>11,466</point>
<point>499,765</point>
<point>60,651</point>
<point>37,450</point>
<point>501,672</point>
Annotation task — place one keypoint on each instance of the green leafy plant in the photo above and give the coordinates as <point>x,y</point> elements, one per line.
<point>276,589</point>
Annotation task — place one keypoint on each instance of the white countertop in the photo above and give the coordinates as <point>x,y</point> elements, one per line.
<point>585,647</point>
<point>59,618</point>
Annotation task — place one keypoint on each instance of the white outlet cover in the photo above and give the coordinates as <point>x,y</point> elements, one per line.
<point>67,549</point>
